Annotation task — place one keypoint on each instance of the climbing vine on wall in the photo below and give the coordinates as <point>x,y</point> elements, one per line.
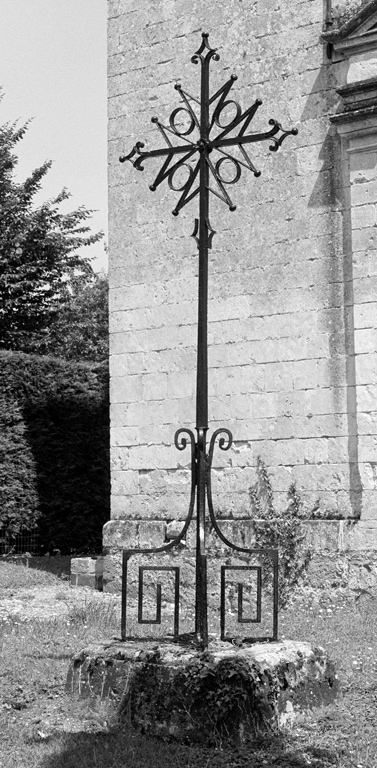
<point>280,529</point>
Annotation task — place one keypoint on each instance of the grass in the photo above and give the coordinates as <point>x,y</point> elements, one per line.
<point>42,727</point>
<point>15,575</point>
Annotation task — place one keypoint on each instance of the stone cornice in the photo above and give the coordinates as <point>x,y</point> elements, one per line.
<point>351,25</point>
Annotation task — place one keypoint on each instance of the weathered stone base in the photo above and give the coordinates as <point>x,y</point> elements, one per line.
<point>87,572</point>
<point>226,692</point>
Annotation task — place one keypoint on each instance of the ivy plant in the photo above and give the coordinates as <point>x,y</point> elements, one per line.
<point>280,529</point>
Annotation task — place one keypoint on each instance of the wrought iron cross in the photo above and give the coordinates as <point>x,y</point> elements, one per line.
<point>204,134</point>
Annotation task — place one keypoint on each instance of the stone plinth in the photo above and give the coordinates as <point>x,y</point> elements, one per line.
<point>87,572</point>
<point>226,692</point>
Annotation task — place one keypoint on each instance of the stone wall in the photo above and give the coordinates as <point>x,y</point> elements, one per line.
<point>292,321</point>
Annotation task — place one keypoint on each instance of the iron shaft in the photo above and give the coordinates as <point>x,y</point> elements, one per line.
<point>201,619</point>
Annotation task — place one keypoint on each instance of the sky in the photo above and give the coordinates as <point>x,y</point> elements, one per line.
<point>53,69</point>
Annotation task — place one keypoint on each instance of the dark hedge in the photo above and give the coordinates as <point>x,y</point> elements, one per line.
<point>54,449</point>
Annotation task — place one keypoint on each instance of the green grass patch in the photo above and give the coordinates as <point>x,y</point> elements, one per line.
<point>15,575</point>
<point>42,727</point>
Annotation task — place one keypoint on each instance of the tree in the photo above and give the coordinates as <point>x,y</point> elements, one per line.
<point>79,330</point>
<point>40,266</point>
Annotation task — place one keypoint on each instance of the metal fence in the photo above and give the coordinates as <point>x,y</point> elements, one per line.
<point>17,544</point>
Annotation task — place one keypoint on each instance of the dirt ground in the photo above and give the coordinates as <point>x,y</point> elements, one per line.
<point>48,600</point>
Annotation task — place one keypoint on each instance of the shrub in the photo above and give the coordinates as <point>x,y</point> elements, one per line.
<point>54,449</point>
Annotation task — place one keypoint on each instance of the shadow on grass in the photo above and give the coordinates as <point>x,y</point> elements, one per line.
<point>59,566</point>
<point>116,748</point>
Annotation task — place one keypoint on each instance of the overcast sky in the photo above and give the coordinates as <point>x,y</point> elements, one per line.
<point>53,69</point>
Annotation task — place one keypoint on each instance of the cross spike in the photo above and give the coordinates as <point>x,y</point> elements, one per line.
<point>211,233</point>
<point>195,233</point>
<point>205,46</point>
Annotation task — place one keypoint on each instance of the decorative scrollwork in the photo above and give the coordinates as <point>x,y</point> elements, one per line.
<point>224,443</point>
<point>180,188</point>
<point>134,151</point>
<point>237,167</point>
<point>173,126</point>
<point>234,120</point>
<point>180,442</point>
<point>210,233</point>
<point>205,46</point>
<point>278,142</point>
<point>232,133</point>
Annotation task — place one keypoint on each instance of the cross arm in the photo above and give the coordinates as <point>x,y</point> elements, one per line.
<point>137,157</point>
<point>255,137</point>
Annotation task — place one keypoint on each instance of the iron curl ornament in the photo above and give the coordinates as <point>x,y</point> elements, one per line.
<point>200,138</point>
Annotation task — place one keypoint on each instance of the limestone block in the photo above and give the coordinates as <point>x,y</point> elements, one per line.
<point>332,425</point>
<point>366,397</point>
<point>326,571</point>
<point>119,458</point>
<point>151,534</point>
<point>263,405</point>
<point>348,504</point>
<point>364,264</point>
<point>83,565</point>
<point>363,216</point>
<point>362,194</point>
<point>126,389</point>
<point>222,333</point>
<point>120,534</point>
<point>112,573</point>
<point>150,507</point>
<point>152,457</point>
<point>282,427</point>
<point>337,449</point>
<point>325,535</point>
<point>323,477</point>
<point>231,307</point>
<point>278,376</point>
<point>365,315</point>
<point>124,436</point>
<point>124,482</point>
<point>240,533</point>
<point>87,572</point>
<point>162,690</point>
<point>309,371</point>
<point>181,384</point>
<point>312,451</point>
<point>155,386</point>
<point>163,412</point>
<point>363,240</point>
<point>367,448</point>
<point>369,505</point>
<point>229,480</point>
<point>362,536</point>
<point>367,423</point>
<point>173,529</point>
